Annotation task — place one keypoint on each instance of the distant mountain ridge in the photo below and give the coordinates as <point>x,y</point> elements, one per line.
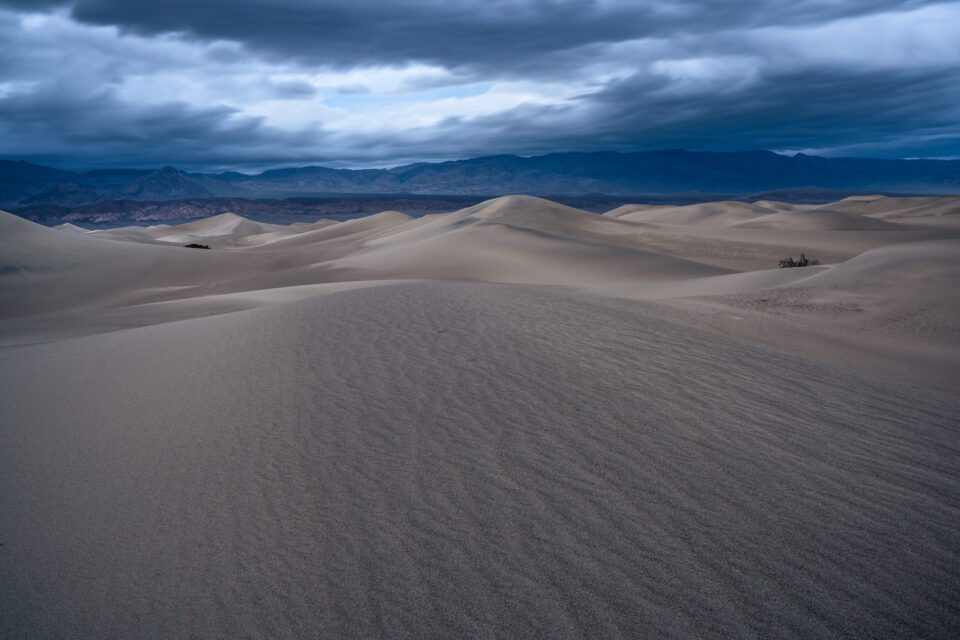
<point>642,173</point>
<point>166,184</point>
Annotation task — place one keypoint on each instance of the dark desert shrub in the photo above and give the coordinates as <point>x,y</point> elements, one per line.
<point>803,261</point>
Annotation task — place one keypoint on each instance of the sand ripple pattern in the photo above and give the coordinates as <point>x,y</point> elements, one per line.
<point>451,460</point>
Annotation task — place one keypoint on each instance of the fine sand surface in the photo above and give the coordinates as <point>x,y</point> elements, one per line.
<point>515,420</point>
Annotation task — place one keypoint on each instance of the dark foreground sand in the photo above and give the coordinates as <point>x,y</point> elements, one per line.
<point>438,458</point>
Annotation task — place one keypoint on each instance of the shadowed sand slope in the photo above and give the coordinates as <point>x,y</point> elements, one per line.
<point>883,207</point>
<point>817,221</point>
<point>467,460</point>
<point>899,290</point>
<point>710,214</point>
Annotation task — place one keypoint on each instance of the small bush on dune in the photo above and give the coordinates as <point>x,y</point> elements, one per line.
<point>802,261</point>
<point>194,245</point>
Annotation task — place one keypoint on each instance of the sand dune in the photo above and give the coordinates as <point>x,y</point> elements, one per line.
<point>776,205</point>
<point>66,226</point>
<point>927,265</point>
<point>746,249</point>
<point>468,459</point>
<point>225,224</point>
<point>703,250</point>
<point>901,287</point>
<point>734,283</point>
<point>884,207</point>
<point>144,235</point>
<point>356,230</point>
<point>629,208</point>
<point>515,420</point>
<point>895,289</point>
<point>710,214</point>
<point>521,240</point>
<point>887,311</point>
<point>50,271</point>
<point>227,229</point>
<point>762,214</point>
<point>818,220</point>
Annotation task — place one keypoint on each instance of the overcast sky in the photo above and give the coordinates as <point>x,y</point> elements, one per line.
<point>207,84</point>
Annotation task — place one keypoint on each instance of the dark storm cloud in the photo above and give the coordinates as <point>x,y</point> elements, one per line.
<point>100,129</point>
<point>258,82</point>
<point>886,115</point>
<point>451,33</point>
<point>833,107</point>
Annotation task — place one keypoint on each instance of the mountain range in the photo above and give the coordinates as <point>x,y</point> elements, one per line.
<point>655,172</point>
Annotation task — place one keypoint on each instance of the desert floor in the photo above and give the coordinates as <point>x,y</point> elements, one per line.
<point>515,420</point>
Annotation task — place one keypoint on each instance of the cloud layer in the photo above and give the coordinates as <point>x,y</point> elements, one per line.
<point>382,82</point>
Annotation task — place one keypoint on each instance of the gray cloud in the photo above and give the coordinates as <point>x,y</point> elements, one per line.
<point>261,83</point>
<point>452,33</point>
<point>873,114</point>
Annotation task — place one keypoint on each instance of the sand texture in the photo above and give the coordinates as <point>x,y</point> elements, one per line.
<point>518,420</point>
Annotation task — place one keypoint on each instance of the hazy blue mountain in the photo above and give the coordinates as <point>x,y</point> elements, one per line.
<point>165,184</point>
<point>19,179</point>
<point>645,173</point>
<point>65,193</point>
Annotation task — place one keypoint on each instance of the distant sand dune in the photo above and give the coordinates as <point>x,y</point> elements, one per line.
<point>818,220</point>
<point>711,214</point>
<point>515,239</point>
<point>883,207</point>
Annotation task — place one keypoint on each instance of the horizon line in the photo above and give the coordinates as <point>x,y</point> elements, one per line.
<point>253,169</point>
